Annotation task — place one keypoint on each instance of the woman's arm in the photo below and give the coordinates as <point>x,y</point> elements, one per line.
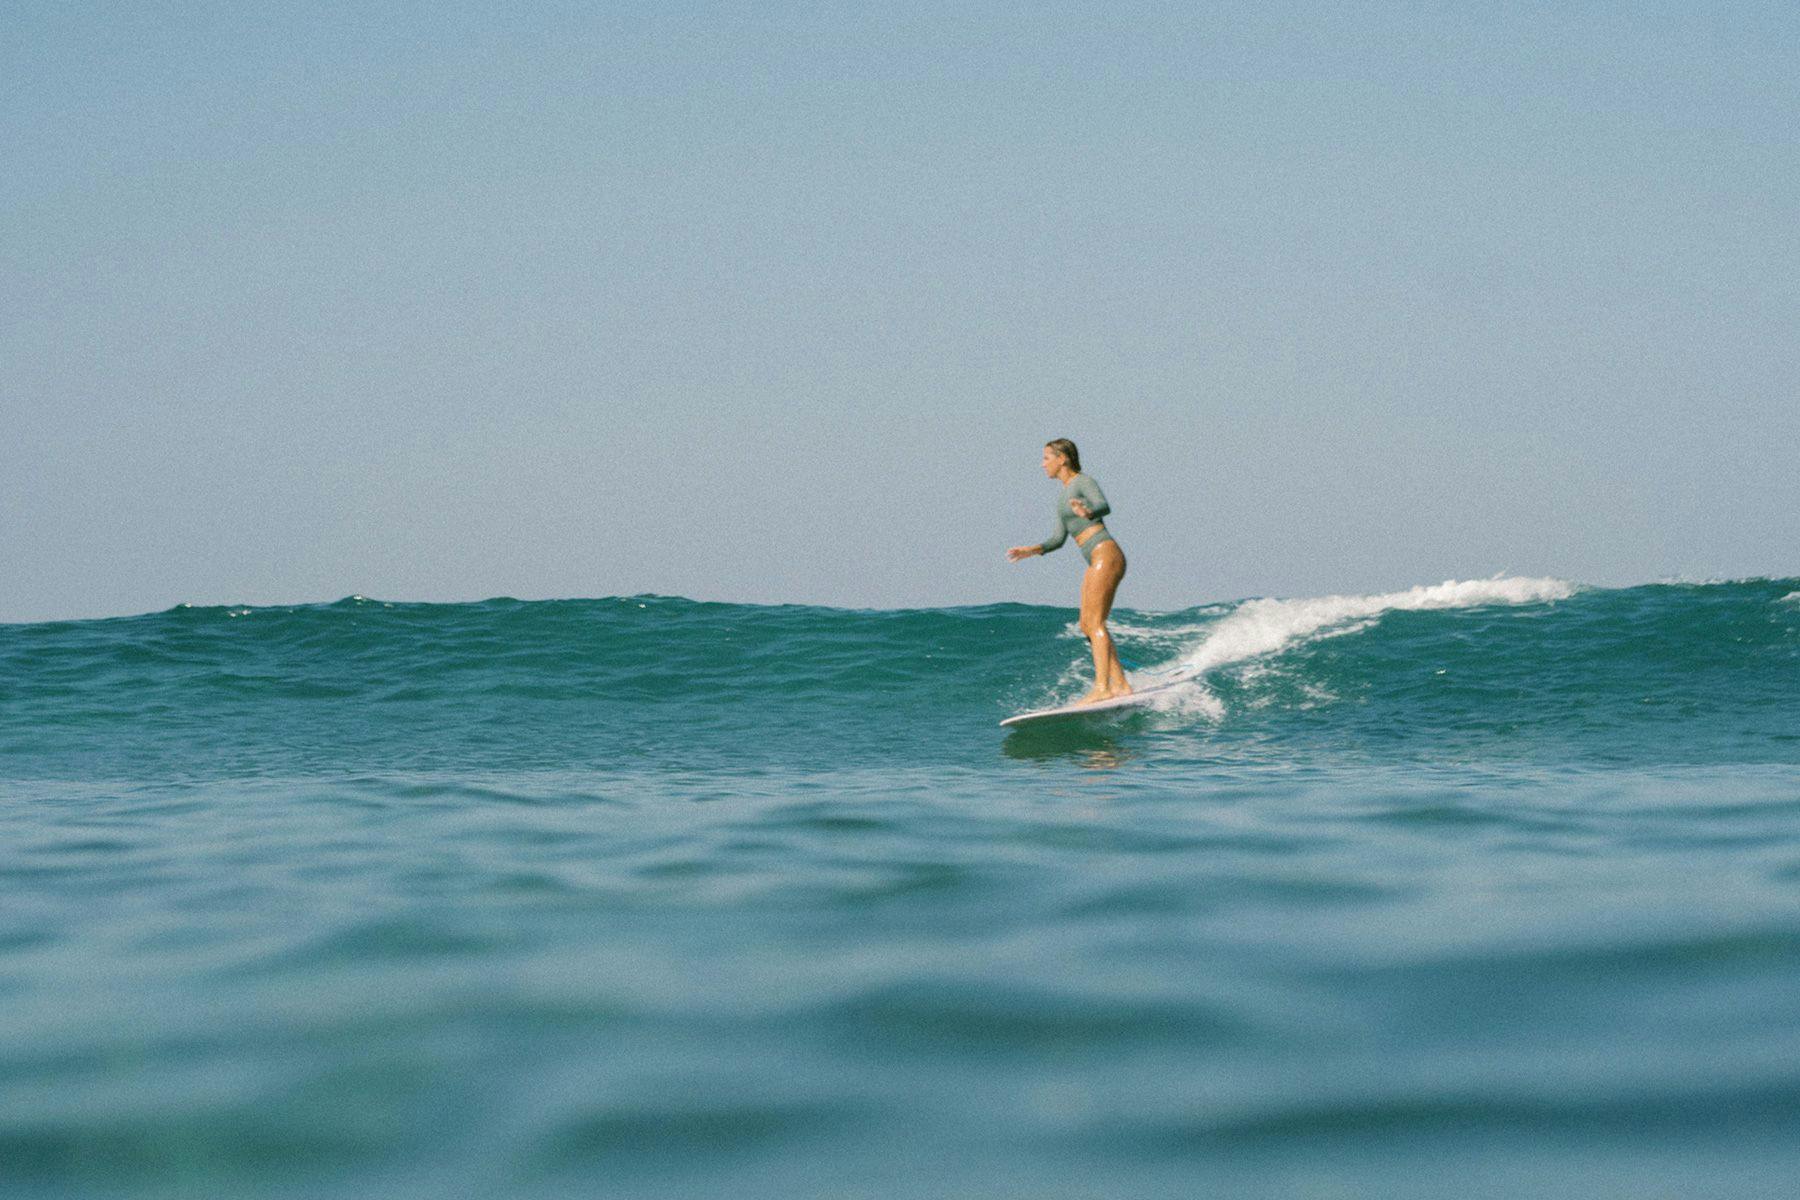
<point>1056,539</point>
<point>1092,499</point>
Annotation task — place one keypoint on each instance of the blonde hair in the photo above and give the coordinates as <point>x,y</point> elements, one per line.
<point>1066,448</point>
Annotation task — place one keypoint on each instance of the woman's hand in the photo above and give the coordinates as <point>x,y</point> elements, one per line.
<point>1018,552</point>
<point>1080,509</point>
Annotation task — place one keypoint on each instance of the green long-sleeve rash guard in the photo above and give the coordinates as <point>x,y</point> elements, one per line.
<point>1066,521</point>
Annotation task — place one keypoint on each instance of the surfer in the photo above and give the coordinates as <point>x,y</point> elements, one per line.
<point>1078,512</point>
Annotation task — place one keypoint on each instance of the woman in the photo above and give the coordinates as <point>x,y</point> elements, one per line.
<point>1078,512</point>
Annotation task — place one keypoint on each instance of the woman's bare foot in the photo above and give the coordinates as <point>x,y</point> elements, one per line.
<point>1097,695</point>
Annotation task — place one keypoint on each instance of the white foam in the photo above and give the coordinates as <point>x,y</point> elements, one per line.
<point>1261,627</point>
<point>1790,598</point>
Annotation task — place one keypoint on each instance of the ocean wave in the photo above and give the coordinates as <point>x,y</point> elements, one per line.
<point>1258,628</point>
<point>1263,628</point>
<point>1480,666</point>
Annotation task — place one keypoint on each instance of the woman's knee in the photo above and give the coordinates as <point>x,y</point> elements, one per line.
<point>1094,629</point>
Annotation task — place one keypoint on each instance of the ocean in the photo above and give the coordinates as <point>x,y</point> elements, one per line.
<point>1489,888</point>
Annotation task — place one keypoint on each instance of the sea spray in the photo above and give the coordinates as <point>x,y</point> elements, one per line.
<point>1260,628</point>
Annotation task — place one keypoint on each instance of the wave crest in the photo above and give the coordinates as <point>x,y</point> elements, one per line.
<point>1257,628</point>
<point>1265,627</point>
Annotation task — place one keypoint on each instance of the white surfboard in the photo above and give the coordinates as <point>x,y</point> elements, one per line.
<point>1098,707</point>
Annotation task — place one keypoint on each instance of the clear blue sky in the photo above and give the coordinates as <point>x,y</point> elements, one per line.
<point>778,303</point>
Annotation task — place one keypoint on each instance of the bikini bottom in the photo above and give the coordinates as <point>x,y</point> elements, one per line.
<point>1087,547</point>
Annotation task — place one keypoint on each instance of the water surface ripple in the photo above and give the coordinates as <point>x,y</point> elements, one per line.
<point>1491,889</point>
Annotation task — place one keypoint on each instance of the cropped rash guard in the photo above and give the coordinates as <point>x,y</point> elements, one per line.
<point>1080,487</point>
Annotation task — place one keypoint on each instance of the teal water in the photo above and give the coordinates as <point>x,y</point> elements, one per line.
<point>1488,889</point>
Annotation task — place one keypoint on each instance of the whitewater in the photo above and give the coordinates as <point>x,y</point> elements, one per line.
<point>1485,887</point>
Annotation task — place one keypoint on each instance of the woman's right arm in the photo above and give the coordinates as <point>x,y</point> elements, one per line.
<point>1092,498</point>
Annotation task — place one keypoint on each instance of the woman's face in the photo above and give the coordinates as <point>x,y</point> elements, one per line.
<point>1053,462</point>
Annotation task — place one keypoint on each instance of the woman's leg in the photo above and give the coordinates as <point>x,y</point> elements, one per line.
<point>1117,685</point>
<point>1099,584</point>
